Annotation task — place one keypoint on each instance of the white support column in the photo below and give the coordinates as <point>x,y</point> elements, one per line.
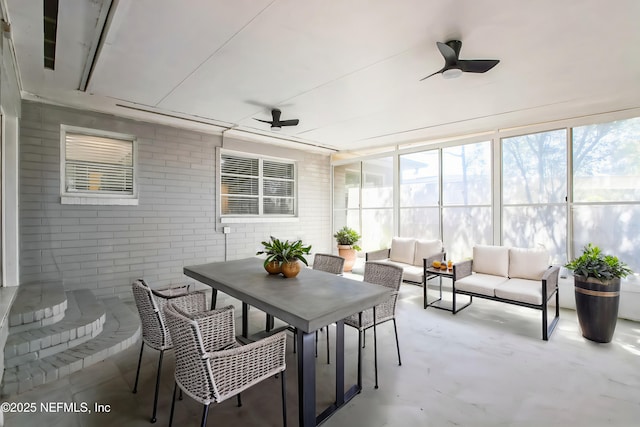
<point>496,184</point>
<point>10,202</point>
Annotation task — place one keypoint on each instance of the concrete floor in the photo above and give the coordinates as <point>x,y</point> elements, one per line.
<point>485,366</point>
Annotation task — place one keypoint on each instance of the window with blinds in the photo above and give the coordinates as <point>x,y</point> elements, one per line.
<point>97,164</point>
<point>256,186</point>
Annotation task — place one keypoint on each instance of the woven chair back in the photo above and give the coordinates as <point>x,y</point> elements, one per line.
<point>330,263</point>
<point>217,327</point>
<point>193,371</point>
<point>154,329</point>
<point>389,276</point>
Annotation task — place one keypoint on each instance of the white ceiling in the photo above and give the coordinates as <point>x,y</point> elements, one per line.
<point>349,70</point>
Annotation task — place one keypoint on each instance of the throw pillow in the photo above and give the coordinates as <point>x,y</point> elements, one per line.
<point>492,260</point>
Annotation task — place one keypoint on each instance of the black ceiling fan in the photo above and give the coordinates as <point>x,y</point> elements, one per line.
<point>454,67</point>
<point>276,123</point>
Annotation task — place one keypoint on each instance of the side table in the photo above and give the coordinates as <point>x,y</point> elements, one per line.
<point>428,273</point>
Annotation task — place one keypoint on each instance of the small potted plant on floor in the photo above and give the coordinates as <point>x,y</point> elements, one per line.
<point>597,291</point>
<point>347,247</point>
<point>284,256</point>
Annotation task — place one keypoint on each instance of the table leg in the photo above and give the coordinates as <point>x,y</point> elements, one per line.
<point>270,323</point>
<point>342,396</point>
<point>424,289</point>
<point>360,351</point>
<point>245,319</point>
<point>214,298</point>
<point>339,363</point>
<point>306,379</point>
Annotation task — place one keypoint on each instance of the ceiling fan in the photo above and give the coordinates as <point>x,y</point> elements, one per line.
<point>454,67</point>
<point>276,123</point>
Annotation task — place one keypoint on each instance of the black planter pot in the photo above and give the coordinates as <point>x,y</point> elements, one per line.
<point>597,306</point>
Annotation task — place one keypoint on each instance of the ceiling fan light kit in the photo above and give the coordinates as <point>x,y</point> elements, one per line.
<point>452,73</point>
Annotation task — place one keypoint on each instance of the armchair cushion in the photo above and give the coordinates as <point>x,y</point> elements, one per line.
<point>493,260</point>
<point>528,263</point>
<point>425,249</point>
<point>403,249</point>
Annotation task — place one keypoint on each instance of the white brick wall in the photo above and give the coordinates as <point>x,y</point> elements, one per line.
<point>105,247</point>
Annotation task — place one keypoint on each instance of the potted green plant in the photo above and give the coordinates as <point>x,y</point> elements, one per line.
<point>347,238</point>
<point>283,256</point>
<point>597,290</point>
<point>273,260</point>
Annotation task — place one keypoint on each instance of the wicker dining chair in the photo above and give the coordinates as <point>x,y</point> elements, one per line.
<point>386,275</point>
<point>155,333</point>
<point>214,376</point>
<point>333,264</point>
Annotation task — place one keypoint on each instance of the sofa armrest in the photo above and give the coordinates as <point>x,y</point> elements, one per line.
<point>462,269</point>
<point>550,280</point>
<point>378,255</point>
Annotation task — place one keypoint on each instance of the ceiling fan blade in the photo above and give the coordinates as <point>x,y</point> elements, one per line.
<point>450,55</point>
<point>432,74</point>
<point>276,123</point>
<point>477,65</point>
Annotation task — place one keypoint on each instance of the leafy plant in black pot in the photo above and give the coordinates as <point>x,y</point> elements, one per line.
<point>597,290</point>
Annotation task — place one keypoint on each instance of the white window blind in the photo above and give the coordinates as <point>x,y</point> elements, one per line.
<point>256,186</point>
<point>96,164</point>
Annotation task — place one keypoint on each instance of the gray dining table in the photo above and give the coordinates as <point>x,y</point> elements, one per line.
<point>308,302</point>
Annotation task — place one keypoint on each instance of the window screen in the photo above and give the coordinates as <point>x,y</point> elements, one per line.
<point>97,165</point>
<point>256,186</point>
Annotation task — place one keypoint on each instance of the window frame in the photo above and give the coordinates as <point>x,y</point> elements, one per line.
<point>96,198</point>
<point>261,216</point>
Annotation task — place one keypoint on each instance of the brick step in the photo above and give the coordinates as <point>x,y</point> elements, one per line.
<point>37,304</point>
<point>83,320</point>
<point>121,330</point>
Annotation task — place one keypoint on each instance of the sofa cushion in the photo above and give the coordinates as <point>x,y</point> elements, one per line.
<point>491,260</point>
<point>479,283</point>
<point>522,290</point>
<point>403,249</point>
<point>412,273</point>
<point>528,263</point>
<point>425,249</point>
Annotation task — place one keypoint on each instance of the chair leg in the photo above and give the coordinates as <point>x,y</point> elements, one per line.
<point>135,385</point>
<point>205,413</point>
<point>173,403</point>
<point>316,343</point>
<point>375,347</point>
<point>155,399</point>
<point>239,398</point>
<point>284,400</point>
<point>395,329</point>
